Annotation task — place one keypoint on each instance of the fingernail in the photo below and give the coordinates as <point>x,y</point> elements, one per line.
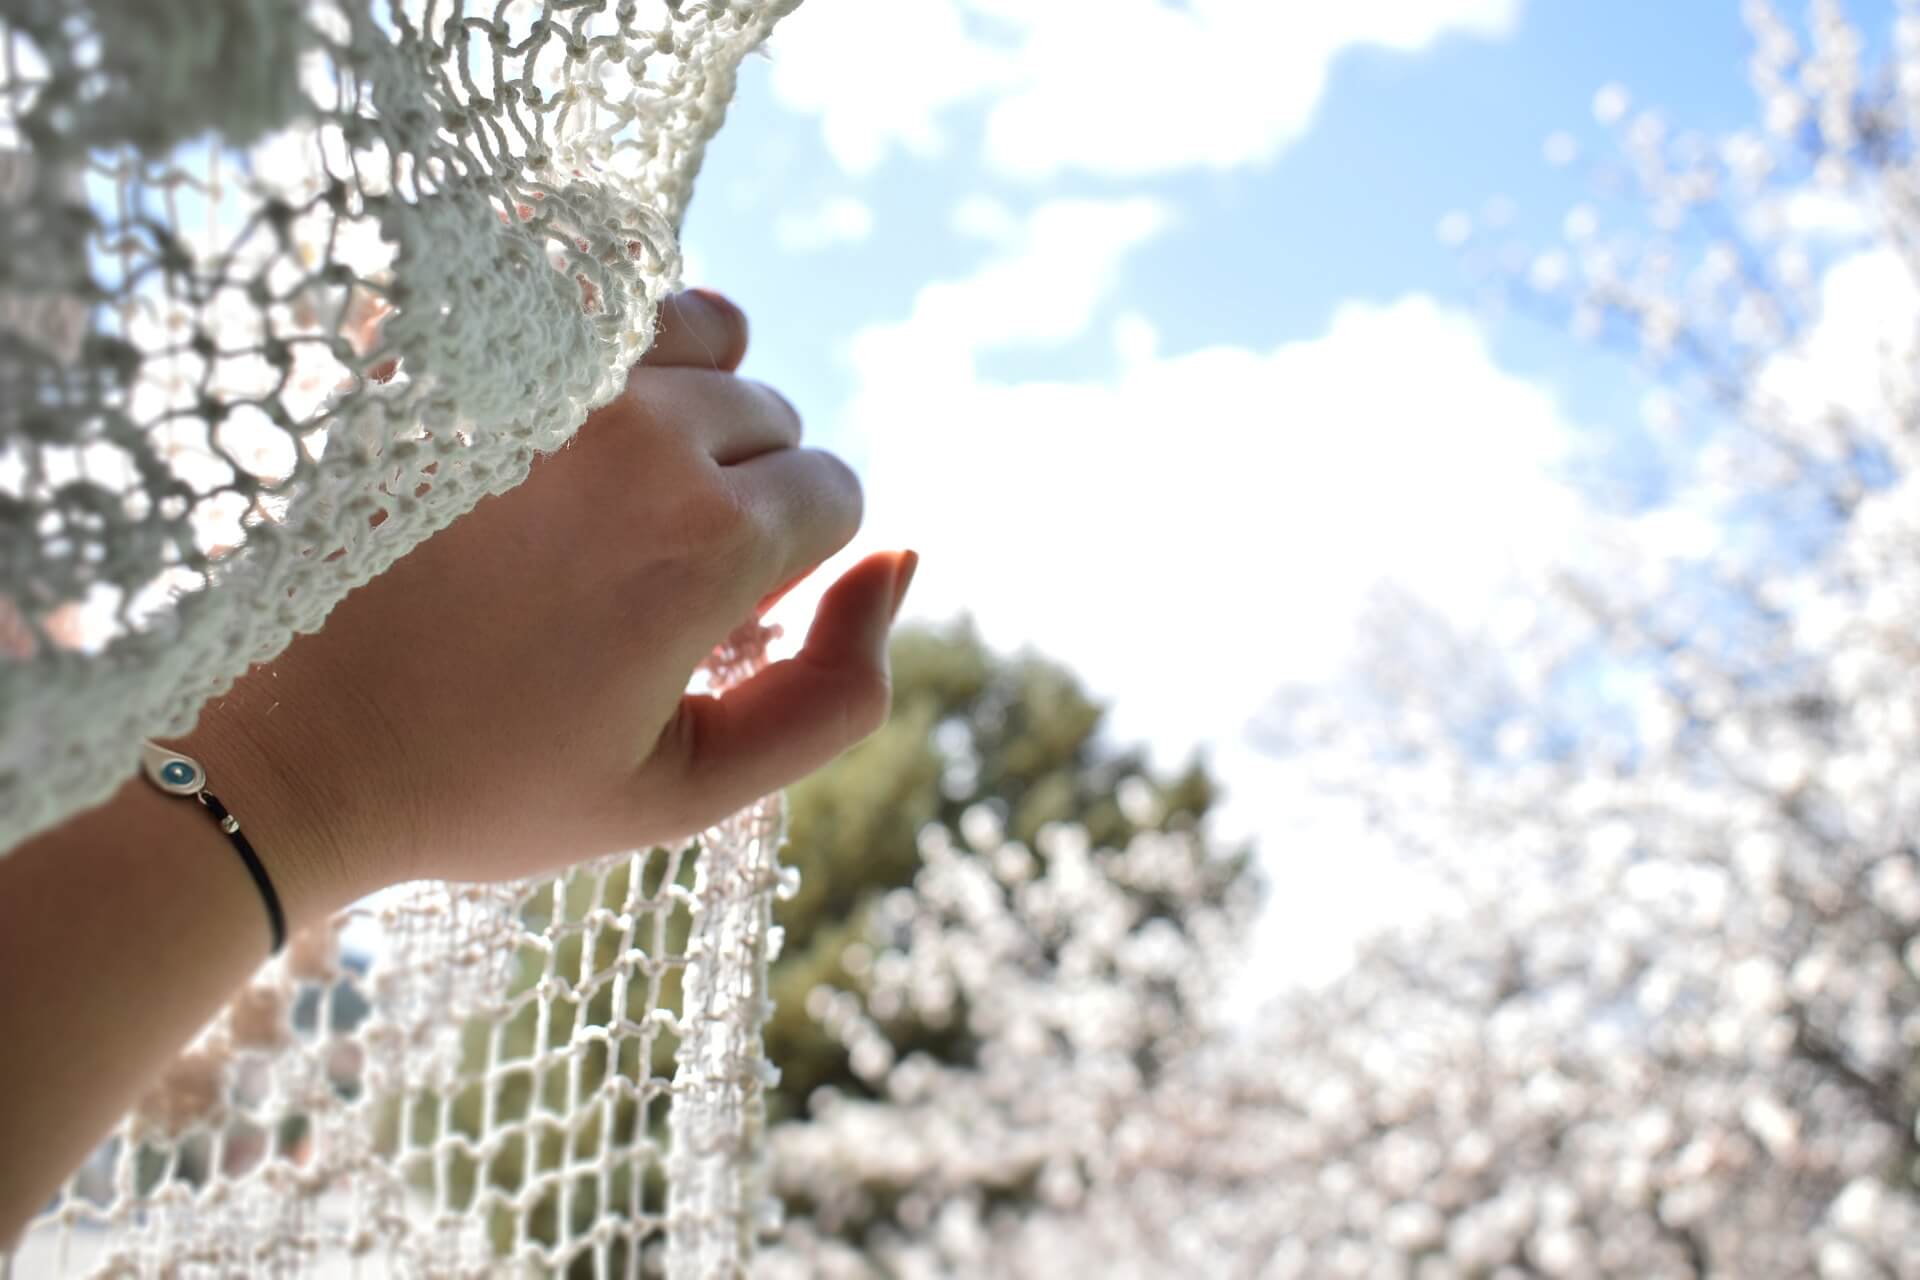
<point>902,579</point>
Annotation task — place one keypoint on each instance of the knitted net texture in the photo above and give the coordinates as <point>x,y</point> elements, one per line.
<point>285,287</point>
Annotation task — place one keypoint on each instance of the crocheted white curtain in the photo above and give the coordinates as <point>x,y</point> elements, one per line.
<point>285,287</point>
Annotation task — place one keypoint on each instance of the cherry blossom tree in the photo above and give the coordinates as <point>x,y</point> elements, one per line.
<point>1664,1019</point>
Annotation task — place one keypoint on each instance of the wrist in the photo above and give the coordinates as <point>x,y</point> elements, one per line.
<point>275,770</point>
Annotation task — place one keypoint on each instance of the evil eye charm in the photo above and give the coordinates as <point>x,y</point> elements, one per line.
<point>172,772</point>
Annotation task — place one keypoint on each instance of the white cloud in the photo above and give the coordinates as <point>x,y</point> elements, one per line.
<point>1206,525</point>
<point>1115,87</point>
<point>1042,288</point>
<point>1199,526</point>
<point>840,220</point>
<point>1138,87</point>
<point>1864,334</point>
<point>1134,338</point>
<point>878,73</point>
<point>981,217</point>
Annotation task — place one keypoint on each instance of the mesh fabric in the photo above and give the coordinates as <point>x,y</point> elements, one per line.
<point>285,287</point>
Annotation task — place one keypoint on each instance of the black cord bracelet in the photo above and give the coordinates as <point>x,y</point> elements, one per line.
<point>179,775</point>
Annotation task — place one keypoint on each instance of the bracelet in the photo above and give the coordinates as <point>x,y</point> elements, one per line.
<point>179,775</point>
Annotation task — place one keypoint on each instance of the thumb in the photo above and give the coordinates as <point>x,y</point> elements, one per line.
<point>797,714</point>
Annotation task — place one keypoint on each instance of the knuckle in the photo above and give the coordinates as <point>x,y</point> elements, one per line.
<point>867,703</point>
<point>715,517</point>
<point>848,498</point>
<point>636,420</point>
<point>838,482</point>
<point>785,415</point>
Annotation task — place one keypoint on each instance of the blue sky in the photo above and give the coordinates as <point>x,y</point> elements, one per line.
<point>1264,252</point>
<point>1135,316</point>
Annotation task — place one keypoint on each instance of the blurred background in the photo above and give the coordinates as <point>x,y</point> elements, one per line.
<point>1404,760</point>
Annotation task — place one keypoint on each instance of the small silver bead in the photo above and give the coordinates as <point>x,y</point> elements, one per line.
<point>229,824</point>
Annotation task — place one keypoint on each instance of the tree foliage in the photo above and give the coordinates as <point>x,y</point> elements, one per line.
<point>992,774</point>
<point>1665,1020</point>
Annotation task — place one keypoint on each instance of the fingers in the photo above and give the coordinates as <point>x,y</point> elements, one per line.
<point>730,419</point>
<point>698,329</point>
<point>797,714</point>
<point>806,504</point>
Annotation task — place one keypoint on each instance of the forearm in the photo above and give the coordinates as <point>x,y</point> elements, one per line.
<point>121,933</point>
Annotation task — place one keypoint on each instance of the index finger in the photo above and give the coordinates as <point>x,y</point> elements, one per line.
<point>699,329</point>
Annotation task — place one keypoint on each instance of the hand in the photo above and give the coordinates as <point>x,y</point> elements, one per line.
<point>509,697</point>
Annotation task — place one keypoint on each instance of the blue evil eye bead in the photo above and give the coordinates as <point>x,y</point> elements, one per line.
<point>172,772</point>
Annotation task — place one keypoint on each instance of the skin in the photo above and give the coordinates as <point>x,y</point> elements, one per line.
<point>580,603</point>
